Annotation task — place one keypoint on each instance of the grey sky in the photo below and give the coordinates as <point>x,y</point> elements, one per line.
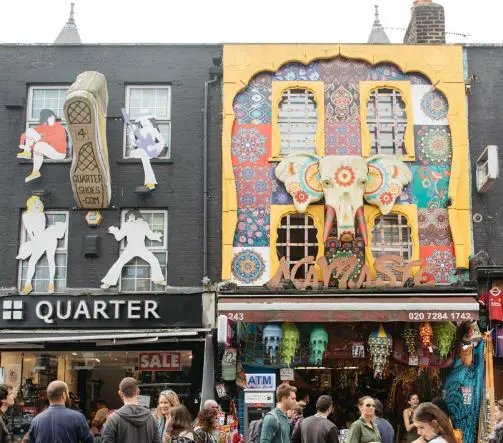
<point>218,21</point>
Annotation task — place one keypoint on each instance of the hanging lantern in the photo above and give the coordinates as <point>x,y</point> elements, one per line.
<point>380,344</point>
<point>319,343</point>
<point>289,343</point>
<point>426,335</point>
<point>272,339</point>
<point>444,336</point>
<point>411,339</point>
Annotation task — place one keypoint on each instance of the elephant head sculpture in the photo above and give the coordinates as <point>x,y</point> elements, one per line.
<point>344,180</point>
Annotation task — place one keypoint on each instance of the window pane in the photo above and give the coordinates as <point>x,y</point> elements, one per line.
<point>387,121</point>
<point>136,274</point>
<point>297,121</point>
<point>50,98</point>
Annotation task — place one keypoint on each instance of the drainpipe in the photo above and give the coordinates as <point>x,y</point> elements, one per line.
<point>216,74</point>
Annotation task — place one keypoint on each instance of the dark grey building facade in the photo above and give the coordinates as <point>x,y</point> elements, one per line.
<point>100,335</point>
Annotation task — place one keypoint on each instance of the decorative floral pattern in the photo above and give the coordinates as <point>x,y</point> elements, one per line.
<point>298,71</point>
<point>443,261</point>
<point>434,105</point>
<point>344,176</point>
<point>279,194</point>
<point>429,187</point>
<point>342,104</point>
<point>342,139</point>
<point>251,144</point>
<point>335,249</point>
<point>253,186</point>
<point>248,266</point>
<point>386,71</point>
<point>434,227</point>
<point>418,79</point>
<point>433,144</point>
<point>253,105</point>
<point>252,227</point>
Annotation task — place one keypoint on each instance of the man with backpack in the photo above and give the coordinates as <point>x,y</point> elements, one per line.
<point>275,426</point>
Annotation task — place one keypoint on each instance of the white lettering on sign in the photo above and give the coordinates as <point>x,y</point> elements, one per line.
<point>259,397</point>
<point>48,311</point>
<point>261,381</point>
<point>160,361</point>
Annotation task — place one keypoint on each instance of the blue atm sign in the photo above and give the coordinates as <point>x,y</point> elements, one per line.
<point>261,381</point>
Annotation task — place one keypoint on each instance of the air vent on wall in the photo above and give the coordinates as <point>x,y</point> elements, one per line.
<point>487,169</point>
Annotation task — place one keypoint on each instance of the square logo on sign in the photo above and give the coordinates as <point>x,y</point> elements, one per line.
<point>12,310</point>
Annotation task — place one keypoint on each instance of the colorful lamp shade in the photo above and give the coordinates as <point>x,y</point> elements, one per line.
<point>444,336</point>
<point>272,336</point>
<point>381,345</point>
<point>426,335</point>
<point>290,342</point>
<point>319,342</point>
<point>410,336</point>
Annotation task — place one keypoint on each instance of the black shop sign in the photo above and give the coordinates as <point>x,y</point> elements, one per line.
<point>127,311</point>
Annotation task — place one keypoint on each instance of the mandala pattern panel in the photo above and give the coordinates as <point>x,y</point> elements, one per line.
<point>342,104</point>
<point>443,261</point>
<point>253,105</point>
<point>434,227</point>
<point>429,106</point>
<point>342,139</point>
<point>430,186</point>
<point>342,71</point>
<point>386,71</point>
<point>253,186</point>
<point>433,145</point>
<point>416,78</point>
<point>251,144</point>
<point>250,266</point>
<point>253,227</point>
<point>335,249</point>
<point>299,72</point>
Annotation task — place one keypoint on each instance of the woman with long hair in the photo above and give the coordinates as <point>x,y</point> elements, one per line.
<point>432,424</point>
<point>167,400</point>
<point>410,428</point>
<point>206,426</point>
<point>364,429</point>
<point>179,427</point>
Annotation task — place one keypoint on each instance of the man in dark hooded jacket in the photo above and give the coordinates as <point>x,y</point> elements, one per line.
<point>132,423</point>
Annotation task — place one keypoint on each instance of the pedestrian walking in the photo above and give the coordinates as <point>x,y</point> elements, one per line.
<point>131,423</point>
<point>180,426</point>
<point>275,424</point>
<point>364,430</point>
<point>167,400</point>
<point>207,425</point>
<point>432,424</point>
<point>497,435</point>
<point>385,429</point>
<point>317,428</point>
<point>58,424</point>
<point>6,401</point>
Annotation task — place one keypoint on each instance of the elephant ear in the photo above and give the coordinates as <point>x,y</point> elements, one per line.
<point>301,177</point>
<point>387,175</point>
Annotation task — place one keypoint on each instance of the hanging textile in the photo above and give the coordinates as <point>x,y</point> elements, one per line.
<point>464,388</point>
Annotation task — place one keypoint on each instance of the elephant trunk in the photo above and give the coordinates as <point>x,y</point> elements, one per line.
<point>345,229</point>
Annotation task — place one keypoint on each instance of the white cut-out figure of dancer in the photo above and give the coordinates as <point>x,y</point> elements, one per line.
<point>41,241</point>
<point>135,229</point>
<point>48,138</point>
<point>148,141</point>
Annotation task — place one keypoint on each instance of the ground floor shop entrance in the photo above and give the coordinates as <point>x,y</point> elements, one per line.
<point>93,364</point>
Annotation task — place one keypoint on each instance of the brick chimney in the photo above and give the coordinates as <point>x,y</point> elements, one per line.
<point>427,24</point>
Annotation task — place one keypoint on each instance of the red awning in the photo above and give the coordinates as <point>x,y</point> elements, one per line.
<point>457,307</point>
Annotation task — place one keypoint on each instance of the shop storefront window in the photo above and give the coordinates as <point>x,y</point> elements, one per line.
<point>92,376</point>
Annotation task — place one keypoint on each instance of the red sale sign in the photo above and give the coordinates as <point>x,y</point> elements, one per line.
<point>160,361</point>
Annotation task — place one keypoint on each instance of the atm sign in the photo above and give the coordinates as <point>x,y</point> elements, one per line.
<point>261,381</point>
<point>160,361</point>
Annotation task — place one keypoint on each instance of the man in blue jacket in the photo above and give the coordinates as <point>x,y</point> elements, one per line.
<point>57,424</point>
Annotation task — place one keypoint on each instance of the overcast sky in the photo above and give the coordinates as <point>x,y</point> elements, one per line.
<point>219,21</point>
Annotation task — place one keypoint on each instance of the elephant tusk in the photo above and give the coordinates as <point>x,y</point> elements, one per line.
<point>362,224</point>
<point>329,223</point>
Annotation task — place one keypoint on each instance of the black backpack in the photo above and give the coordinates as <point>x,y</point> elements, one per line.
<point>255,428</point>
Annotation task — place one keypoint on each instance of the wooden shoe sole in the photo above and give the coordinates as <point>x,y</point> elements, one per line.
<point>88,174</point>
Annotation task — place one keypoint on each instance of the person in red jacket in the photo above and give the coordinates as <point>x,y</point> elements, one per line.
<point>49,139</point>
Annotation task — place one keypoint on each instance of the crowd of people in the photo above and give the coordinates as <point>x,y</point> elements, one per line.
<point>423,422</point>
<point>132,423</point>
